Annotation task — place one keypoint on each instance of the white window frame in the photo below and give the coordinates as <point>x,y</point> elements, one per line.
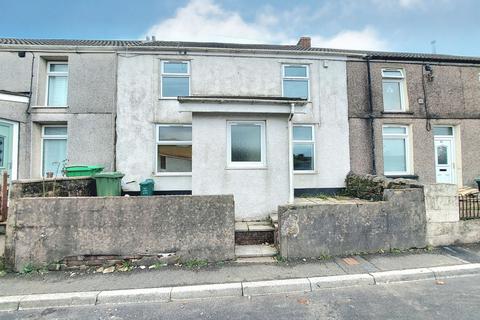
<point>408,154</point>
<point>401,80</point>
<point>169,143</point>
<point>307,77</point>
<point>174,75</point>
<point>263,149</point>
<point>53,73</point>
<point>51,137</point>
<point>312,141</point>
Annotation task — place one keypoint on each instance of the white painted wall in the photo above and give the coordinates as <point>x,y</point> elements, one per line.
<point>257,192</point>
<point>139,108</point>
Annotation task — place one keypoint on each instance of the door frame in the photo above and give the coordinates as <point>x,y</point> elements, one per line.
<point>15,141</point>
<point>453,152</point>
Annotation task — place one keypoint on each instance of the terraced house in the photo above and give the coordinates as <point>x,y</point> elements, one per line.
<point>57,105</point>
<point>265,123</point>
<point>415,116</point>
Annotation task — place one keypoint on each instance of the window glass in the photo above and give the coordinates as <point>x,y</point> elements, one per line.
<point>442,155</point>
<point>246,142</point>
<point>394,130</point>
<point>54,154</point>
<point>174,133</point>
<point>58,67</point>
<point>174,148</point>
<point>392,99</point>
<point>55,131</point>
<point>175,86</point>
<point>295,71</point>
<point>392,73</point>
<point>302,133</point>
<point>443,131</point>
<point>394,155</point>
<point>295,88</point>
<point>175,67</point>
<point>303,156</point>
<point>57,90</point>
<point>174,158</point>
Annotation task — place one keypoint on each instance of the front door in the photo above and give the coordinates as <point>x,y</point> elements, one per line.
<point>6,147</point>
<point>444,160</point>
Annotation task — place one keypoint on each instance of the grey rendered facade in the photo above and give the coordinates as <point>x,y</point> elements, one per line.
<point>89,113</point>
<point>448,96</point>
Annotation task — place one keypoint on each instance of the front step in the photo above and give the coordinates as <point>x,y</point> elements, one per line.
<point>252,251</point>
<point>254,232</point>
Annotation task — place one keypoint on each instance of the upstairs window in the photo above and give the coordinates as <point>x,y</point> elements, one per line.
<point>57,84</point>
<point>394,93</point>
<point>175,80</point>
<point>396,150</point>
<point>174,149</point>
<point>295,81</point>
<point>303,148</point>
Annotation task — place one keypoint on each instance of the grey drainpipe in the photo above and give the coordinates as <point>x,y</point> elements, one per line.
<point>371,116</point>
<point>290,154</point>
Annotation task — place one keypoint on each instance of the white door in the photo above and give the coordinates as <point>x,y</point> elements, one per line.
<point>444,160</point>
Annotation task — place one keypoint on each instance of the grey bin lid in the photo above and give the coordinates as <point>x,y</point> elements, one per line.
<point>114,175</point>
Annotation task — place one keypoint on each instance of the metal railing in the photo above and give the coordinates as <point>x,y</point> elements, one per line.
<point>469,206</point>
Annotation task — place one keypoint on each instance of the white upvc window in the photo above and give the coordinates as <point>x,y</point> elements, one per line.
<point>54,149</point>
<point>57,84</point>
<point>303,148</point>
<point>175,79</point>
<point>295,81</point>
<point>396,150</point>
<point>394,90</point>
<point>174,149</point>
<point>246,144</point>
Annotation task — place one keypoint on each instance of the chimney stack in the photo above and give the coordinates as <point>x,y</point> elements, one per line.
<point>305,42</point>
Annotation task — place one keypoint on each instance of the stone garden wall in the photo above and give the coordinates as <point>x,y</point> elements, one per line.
<point>42,231</point>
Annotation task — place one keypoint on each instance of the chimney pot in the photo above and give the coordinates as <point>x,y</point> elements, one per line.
<point>305,42</point>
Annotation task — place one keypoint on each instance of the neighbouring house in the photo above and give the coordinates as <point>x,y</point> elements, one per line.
<point>57,104</point>
<point>415,116</point>
<point>261,122</point>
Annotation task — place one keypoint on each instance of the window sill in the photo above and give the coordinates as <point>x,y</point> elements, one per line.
<point>309,172</point>
<point>173,174</point>
<point>48,109</point>
<point>246,168</point>
<point>402,176</point>
<point>398,112</point>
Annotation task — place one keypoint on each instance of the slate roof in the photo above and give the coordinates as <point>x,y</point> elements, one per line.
<point>374,55</point>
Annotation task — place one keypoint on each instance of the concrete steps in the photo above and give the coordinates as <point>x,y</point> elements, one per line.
<point>255,251</point>
<point>254,232</point>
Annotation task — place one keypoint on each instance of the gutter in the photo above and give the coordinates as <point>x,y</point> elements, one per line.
<point>290,155</point>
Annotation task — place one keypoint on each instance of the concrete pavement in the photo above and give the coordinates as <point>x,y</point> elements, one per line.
<point>54,290</point>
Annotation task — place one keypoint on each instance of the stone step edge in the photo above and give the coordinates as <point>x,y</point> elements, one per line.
<point>235,289</point>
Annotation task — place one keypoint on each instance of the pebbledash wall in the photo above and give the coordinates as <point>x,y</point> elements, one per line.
<point>42,231</point>
<point>89,114</point>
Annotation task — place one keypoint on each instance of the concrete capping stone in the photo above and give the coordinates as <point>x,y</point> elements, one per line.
<point>134,295</point>
<point>10,303</point>
<point>456,270</point>
<point>402,275</point>
<point>207,291</point>
<point>256,288</point>
<point>58,300</point>
<point>348,280</point>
